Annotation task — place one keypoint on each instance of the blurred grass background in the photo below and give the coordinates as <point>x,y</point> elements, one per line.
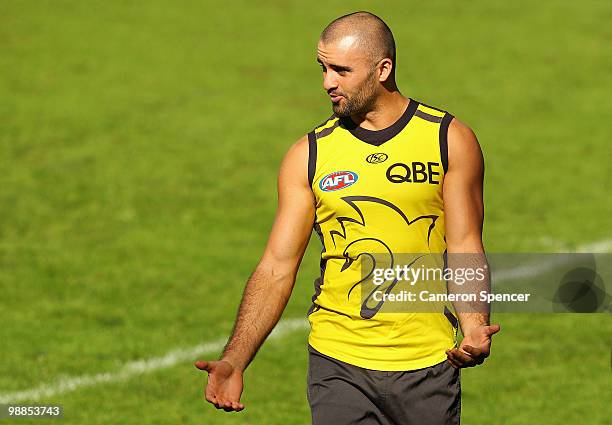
<point>139,146</point>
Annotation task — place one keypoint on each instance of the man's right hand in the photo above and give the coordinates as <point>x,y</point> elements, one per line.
<point>224,386</point>
<point>269,287</point>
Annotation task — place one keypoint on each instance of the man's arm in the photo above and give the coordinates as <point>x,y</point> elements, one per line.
<point>464,215</point>
<point>269,287</point>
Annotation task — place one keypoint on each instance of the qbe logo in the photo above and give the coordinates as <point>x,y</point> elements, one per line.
<point>337,180</point>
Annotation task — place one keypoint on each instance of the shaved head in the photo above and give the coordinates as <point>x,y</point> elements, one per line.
<point>357,55</point>
<point>364,30</point>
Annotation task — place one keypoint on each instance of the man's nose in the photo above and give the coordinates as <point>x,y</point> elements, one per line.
<point>330,81</point>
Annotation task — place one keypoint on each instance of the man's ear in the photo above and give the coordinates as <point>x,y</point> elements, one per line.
<point>385,66</point>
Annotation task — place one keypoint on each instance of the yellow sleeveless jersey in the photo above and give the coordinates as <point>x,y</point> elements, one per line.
<point>377,191</point>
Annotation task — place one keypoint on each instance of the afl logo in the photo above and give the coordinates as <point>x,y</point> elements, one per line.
<point>377,158</point>
<point>337,180</point>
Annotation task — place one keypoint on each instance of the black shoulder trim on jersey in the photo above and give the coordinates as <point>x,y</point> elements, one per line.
<point>329,130</point>
<point>446,120</point>
<point>432,107</point>
<point>427,117</point>
<point>312,156</point>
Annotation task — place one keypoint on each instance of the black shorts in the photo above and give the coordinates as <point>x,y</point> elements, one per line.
<point>343,394</point>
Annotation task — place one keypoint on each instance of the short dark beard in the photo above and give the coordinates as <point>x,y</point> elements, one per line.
<point>361,102</point>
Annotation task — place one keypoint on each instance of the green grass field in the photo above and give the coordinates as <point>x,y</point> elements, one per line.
<point>139,146</point>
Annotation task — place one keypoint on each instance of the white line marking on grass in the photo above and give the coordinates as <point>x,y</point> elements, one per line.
<point>175,357</point>
<point>536,268</point>
<point>597,247</point>
<point>139,367</point>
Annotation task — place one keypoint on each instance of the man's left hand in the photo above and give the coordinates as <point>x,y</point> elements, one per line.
<point>475,347</point>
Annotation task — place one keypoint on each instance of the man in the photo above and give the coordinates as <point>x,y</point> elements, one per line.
<point>385,172</point>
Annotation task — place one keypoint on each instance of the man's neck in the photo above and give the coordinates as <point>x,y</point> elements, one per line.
<point>388,109</point>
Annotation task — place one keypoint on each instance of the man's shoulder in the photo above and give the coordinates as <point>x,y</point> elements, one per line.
<point>303,147</point>
<point>304,150</point>
<point>463,146</point>
<point>299,148</point>
<point>458,130</point>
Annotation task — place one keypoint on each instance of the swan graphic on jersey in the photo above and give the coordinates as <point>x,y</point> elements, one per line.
<point>357,246</point>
